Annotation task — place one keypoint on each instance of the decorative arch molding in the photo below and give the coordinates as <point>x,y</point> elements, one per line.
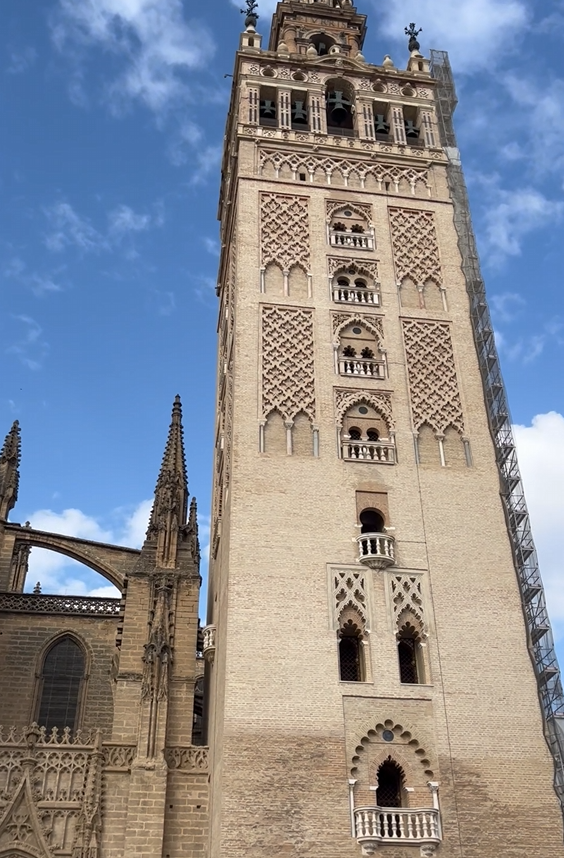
<point>373,324</point>
<point>403,748</point>
<point>379,400</point>
<point>361,210</point>
<point>338,265</point>
<point>113,562</point>
<point>53,641</point>
<point>406,594</point>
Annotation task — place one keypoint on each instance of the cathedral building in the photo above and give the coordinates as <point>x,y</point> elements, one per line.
<point>376,672</point>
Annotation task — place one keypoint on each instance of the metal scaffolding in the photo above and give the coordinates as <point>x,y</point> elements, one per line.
<point>539,633</point>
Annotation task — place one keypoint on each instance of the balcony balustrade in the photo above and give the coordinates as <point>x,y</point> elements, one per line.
<point>362,368</point>
<point>396,825</point>
<point>208,633</point>
<point>350,295</point>
<point>376,550</point>
<point>381,452</point>
<point>354,240</point>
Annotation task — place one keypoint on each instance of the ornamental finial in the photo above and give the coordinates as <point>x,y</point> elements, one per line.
<point>251,13</point>
<point>413,33</point>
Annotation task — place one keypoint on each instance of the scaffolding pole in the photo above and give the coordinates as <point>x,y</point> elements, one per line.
<point>539,633</point>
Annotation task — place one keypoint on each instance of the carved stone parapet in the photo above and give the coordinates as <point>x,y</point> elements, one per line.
<point>192,758</point>
<point>119,757</point>
<point>376,550</point>
<point>209,643</point>
<point>397,825</point>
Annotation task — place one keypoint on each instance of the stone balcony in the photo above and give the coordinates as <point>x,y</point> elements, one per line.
<point>208,633</point>
<point>379,452</point>
<point>352,240</point>
<point>353,295</point>
<point>375,826</point>
<point>362,368</point>
<point>377,550</point>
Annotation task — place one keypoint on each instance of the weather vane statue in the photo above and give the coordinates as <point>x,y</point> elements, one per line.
<point>413,33</point>
<point>251,13</point>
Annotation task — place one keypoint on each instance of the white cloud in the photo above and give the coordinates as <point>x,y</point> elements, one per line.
<point>21,60</point>
<point>58,573</point>
<point>507,305</point>
<point>211,245</point>
<point>157,45</point>
<point>39,284</point>
<point>68,229</point>
<point>30,347</point>
<point>124,220</point>
<point>511,215</point>
<point>541,136</point>
<point>206,162</point>
<point>474,32</point>
<point>541,458</point>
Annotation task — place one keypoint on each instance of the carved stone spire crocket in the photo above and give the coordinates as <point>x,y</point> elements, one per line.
<point>170,507</point>
<point>10,471</point>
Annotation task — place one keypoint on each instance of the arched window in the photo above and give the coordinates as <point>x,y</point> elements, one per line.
<point>390,784</point>
<point>62,678</point>
<point>351,667</point>
<point>340,107</point>
<point>322,43</point>
<point>408,646</point>
<point>371,521</point>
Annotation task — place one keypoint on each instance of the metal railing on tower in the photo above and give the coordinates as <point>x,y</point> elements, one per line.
<point>539,632</point>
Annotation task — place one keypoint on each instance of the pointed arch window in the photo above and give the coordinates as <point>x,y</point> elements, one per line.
<point>410,668</point>
<point>61,685</point>
<point>351,660</point>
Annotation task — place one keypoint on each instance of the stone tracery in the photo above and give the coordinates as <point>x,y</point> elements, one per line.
<point>415,245</point>
<point>288,379</point>
<point>284,231</point>
<point>433,384</point>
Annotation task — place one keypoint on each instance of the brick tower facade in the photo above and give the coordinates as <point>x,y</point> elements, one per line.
<point>369,684</point>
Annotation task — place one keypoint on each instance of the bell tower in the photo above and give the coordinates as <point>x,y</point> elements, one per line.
<point>379,664</point>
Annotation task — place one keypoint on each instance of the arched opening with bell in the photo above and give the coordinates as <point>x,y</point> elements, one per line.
<point>340,107</point>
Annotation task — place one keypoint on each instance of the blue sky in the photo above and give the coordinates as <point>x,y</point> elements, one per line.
<point>111,123</point>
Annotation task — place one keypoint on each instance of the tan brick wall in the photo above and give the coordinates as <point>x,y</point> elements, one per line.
<point>283,733</point>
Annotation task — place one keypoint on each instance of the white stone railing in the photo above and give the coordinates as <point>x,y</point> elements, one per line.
<point>208,633</point>
<point>352,295</point>
<point>356,240</point>
<point>382,452</point>
<point>376,825</point>
<point>362,368</point>
<point>376,550</point>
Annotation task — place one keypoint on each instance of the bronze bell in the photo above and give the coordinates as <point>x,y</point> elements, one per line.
<point>299,113</point>
<point>380,124</point>
<point>267,109</point>
<point>340,107</point>
<point>410,129</point>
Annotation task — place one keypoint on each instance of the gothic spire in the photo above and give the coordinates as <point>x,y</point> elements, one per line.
<point>10,471</point>
<point>170,507</point>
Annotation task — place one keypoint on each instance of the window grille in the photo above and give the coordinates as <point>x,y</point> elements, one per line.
<point>63,672</point>
<point>388,792</point>
<point>349,659</point>
<point>407,656</point>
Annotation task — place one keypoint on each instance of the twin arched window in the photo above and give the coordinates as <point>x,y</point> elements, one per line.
<point>61,685</point>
